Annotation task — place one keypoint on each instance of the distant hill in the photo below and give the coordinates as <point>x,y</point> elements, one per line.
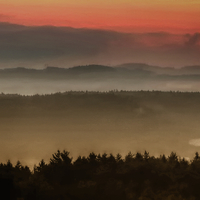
<point>146,67</point>
<point>131,76</point>
<point>92,68</point>
<point>129,68</point>
<point>191,69</point>
<point>133,66</point>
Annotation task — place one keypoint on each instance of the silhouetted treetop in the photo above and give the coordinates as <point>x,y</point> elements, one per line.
<point>105,176</point>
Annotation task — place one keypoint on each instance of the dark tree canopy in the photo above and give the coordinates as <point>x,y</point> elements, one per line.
<point>137,176</point>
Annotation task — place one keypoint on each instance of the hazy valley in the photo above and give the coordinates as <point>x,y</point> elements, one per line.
<point>34,126</point>
<point>132,76</point>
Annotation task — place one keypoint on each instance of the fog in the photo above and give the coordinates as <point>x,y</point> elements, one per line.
<point>28,87</point>
<point>33,128</point>
<point>128,77</point>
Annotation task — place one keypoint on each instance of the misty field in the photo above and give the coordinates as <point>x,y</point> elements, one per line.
<point>114,122</point>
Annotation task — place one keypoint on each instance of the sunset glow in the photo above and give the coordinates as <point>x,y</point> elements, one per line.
<point>178,16</point>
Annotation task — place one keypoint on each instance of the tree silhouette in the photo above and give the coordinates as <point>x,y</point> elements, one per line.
<point>137,176</point>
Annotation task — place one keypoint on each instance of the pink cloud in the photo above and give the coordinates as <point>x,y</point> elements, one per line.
<point>5,17</point>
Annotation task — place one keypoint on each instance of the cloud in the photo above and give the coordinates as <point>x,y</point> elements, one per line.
<point>23,46</point>
<point>5,17</point>
<point>193,40</point>
<point>195,142</point>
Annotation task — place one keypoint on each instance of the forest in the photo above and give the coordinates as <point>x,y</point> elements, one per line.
<point>33,126</point>
<point>103,177</point>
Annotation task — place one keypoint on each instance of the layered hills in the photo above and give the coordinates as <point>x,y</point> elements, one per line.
<point>130,76</point>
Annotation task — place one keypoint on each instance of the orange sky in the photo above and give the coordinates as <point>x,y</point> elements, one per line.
<point>122,15</point>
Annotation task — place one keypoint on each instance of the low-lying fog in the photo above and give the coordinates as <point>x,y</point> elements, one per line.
<point>34,127</point>
<point>28,87</point>
<point>132,76</point>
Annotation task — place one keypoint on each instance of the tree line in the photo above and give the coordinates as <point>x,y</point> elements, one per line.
<point>103,177</point>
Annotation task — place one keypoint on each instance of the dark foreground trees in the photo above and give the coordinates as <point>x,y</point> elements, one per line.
<point>101,177</point>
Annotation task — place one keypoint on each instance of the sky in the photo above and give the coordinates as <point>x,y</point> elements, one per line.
<point>36,33</point>
<point>180,16</point>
